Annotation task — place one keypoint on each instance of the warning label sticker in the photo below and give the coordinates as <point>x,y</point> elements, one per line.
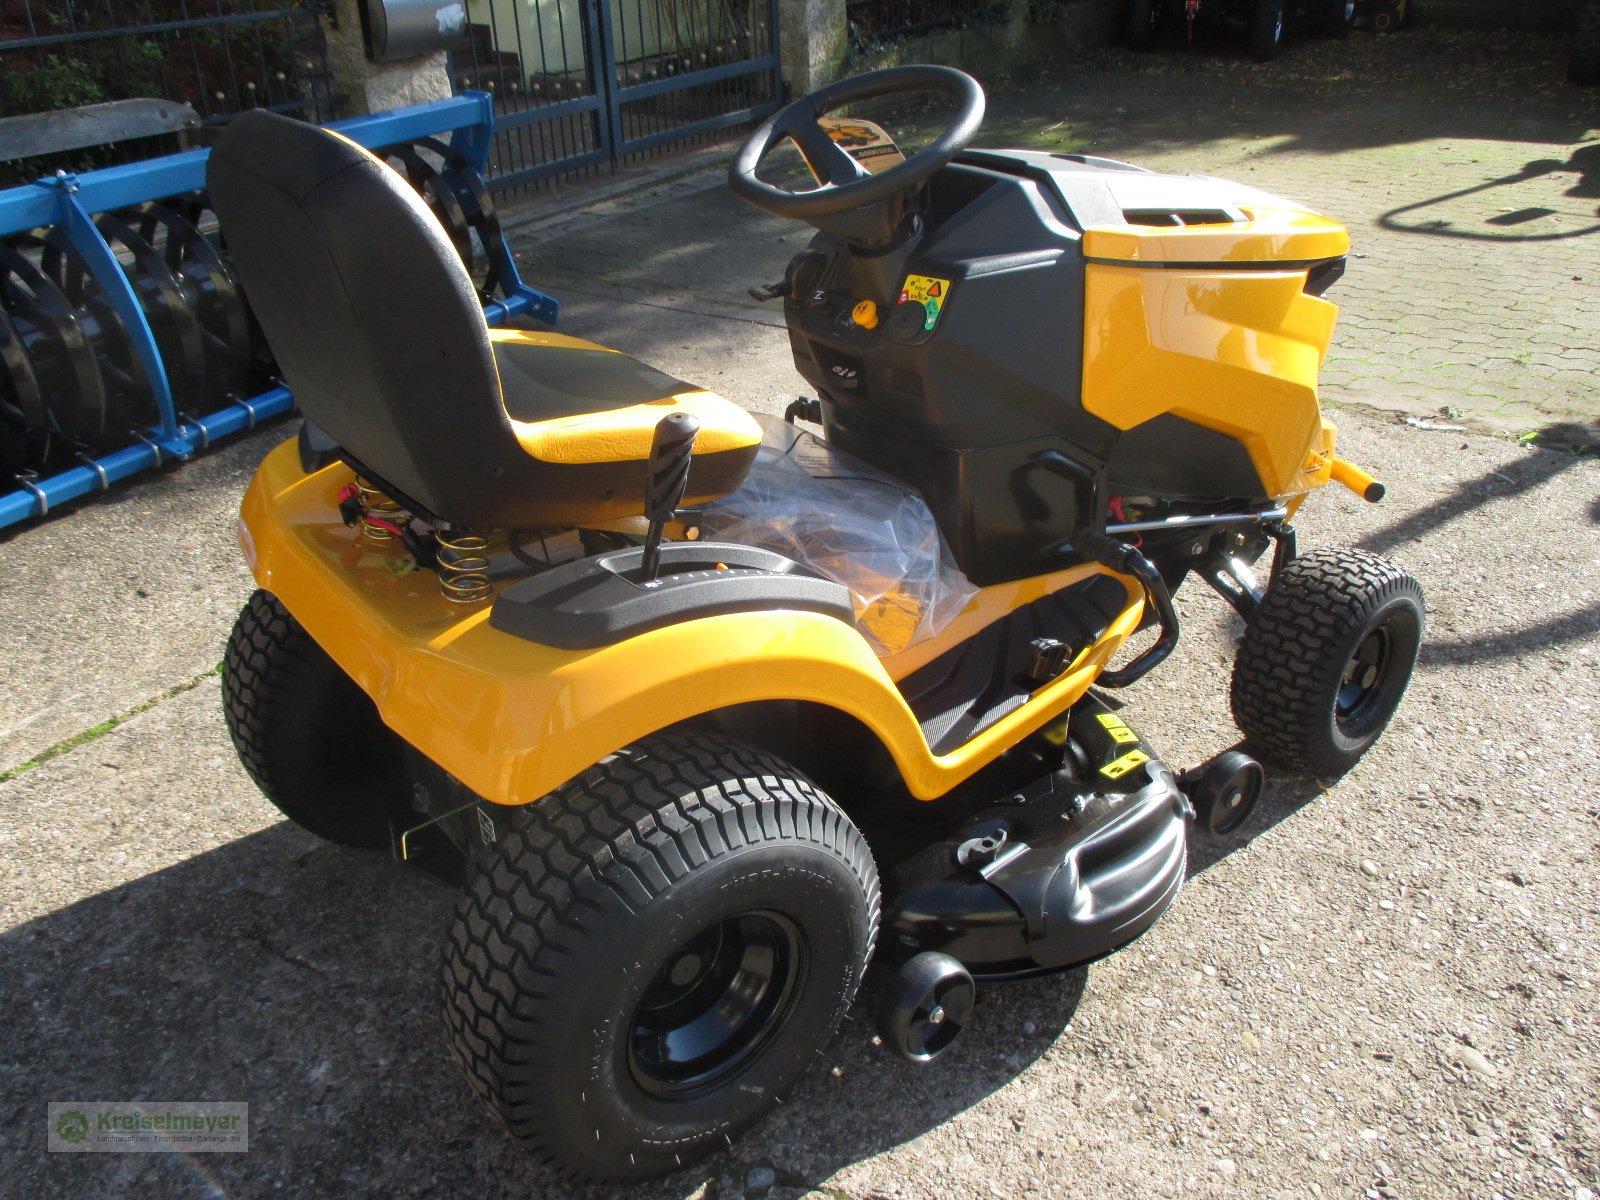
<point>930,293</point>
<point>863,141</point>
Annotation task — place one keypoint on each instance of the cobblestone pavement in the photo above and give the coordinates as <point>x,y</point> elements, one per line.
<point>1466,169</point>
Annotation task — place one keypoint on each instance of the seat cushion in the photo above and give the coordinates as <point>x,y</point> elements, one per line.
<point>545,375</point>
<point>573,403</point>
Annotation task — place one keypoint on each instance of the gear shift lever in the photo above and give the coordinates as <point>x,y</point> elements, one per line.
<point>670,451</point>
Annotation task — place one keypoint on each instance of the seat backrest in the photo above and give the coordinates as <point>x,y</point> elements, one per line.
<point>368,309</point>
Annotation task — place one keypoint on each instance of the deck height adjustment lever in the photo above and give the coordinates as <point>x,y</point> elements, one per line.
<point>671,450</point>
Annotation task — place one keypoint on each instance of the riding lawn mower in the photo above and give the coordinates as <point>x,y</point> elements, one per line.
<point>689,789</point>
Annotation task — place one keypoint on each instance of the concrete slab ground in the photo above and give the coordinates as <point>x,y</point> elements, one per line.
<point>1389,990</point>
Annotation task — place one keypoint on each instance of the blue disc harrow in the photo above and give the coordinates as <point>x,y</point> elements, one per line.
<point>125,340</point>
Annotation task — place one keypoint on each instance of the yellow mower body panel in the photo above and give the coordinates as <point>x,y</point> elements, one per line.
<point>1247,341</point>
<point>512,719</point>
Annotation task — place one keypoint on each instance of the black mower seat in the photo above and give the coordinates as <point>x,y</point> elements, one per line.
<point>573,401</point>
<point>378,331</point>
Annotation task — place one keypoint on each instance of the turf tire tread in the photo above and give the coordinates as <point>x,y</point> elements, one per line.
<point>619,834</point>
<point>1277,694</point>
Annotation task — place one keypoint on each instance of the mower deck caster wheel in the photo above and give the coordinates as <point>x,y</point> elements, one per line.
<point>925,1006</point>
<point>1338,17</point>
<point>1224,791</point>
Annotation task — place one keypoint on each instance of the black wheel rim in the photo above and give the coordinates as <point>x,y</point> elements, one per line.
<point>939,1017</point>
<point>1361,686</point>
<point>716,1003</point>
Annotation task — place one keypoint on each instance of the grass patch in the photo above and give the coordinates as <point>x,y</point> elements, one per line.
<point>95,732</point>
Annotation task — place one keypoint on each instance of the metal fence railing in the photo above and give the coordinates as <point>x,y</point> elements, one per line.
<point>580,84</point>
<point>220,57</point>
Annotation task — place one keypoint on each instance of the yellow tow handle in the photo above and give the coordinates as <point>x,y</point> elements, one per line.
<point>1357,480</point>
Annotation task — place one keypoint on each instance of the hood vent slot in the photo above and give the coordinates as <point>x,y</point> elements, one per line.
<point>1182,217</point>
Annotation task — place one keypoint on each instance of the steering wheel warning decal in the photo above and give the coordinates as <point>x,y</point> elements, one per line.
<point>863,141</point>
<point>930,293</point>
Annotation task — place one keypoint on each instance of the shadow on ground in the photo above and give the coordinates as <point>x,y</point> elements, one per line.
<point>1320,96</point>
<point>300,978</point>
<point>1584,164</point>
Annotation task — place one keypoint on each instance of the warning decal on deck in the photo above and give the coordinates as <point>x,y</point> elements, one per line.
<point>1130,760</point>
<point>1118,729</point>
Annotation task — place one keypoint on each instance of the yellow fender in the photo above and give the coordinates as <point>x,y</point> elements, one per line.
<point>512,719</point>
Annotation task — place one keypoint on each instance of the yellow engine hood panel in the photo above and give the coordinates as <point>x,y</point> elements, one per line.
<point>1233,350</point>
<point>1273,233</point>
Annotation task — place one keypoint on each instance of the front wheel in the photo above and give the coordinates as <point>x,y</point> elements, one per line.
<point>649,958</point>
<point>1325,660</point>
<point>1266,30</point>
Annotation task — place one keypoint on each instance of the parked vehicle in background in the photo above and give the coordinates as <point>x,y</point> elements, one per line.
<point>1385,16</point>
<point>1584,65</point>
<point>1261,22</point>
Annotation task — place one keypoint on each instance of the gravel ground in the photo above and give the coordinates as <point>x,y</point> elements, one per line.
<point>1388,990</point>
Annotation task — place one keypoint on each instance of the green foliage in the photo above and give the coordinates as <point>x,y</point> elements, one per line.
<point>141,68</point>
<point>58,83</point>
<point>91,73</point>
<point>95,732</point>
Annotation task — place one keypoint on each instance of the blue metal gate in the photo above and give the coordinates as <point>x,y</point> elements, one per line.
<point>580,84</point>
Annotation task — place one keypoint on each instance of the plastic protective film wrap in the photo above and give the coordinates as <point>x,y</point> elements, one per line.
<point>852,523</point>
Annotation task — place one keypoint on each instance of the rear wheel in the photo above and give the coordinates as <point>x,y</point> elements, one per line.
<point>650,957</point>
<point>309,737</point>
<point>1338,17</point>
<point>1325,660</point>
<point>1266,30</point>
<point>1143,23</point>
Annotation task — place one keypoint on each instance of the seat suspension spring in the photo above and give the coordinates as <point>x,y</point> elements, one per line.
<point>380,514</point>
<point>463,561</point>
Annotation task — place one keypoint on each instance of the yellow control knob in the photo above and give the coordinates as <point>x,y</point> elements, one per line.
<point>865,314</point>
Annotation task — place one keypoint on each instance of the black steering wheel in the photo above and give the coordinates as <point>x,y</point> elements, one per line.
<point>846,184</point>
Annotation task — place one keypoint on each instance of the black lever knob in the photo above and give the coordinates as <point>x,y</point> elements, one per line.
<point>671,449</point>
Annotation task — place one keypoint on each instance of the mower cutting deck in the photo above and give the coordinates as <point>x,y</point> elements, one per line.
<point>690,798</point>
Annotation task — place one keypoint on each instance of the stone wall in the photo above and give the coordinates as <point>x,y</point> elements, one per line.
<point>813,43</point>
<point>369,87</point>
